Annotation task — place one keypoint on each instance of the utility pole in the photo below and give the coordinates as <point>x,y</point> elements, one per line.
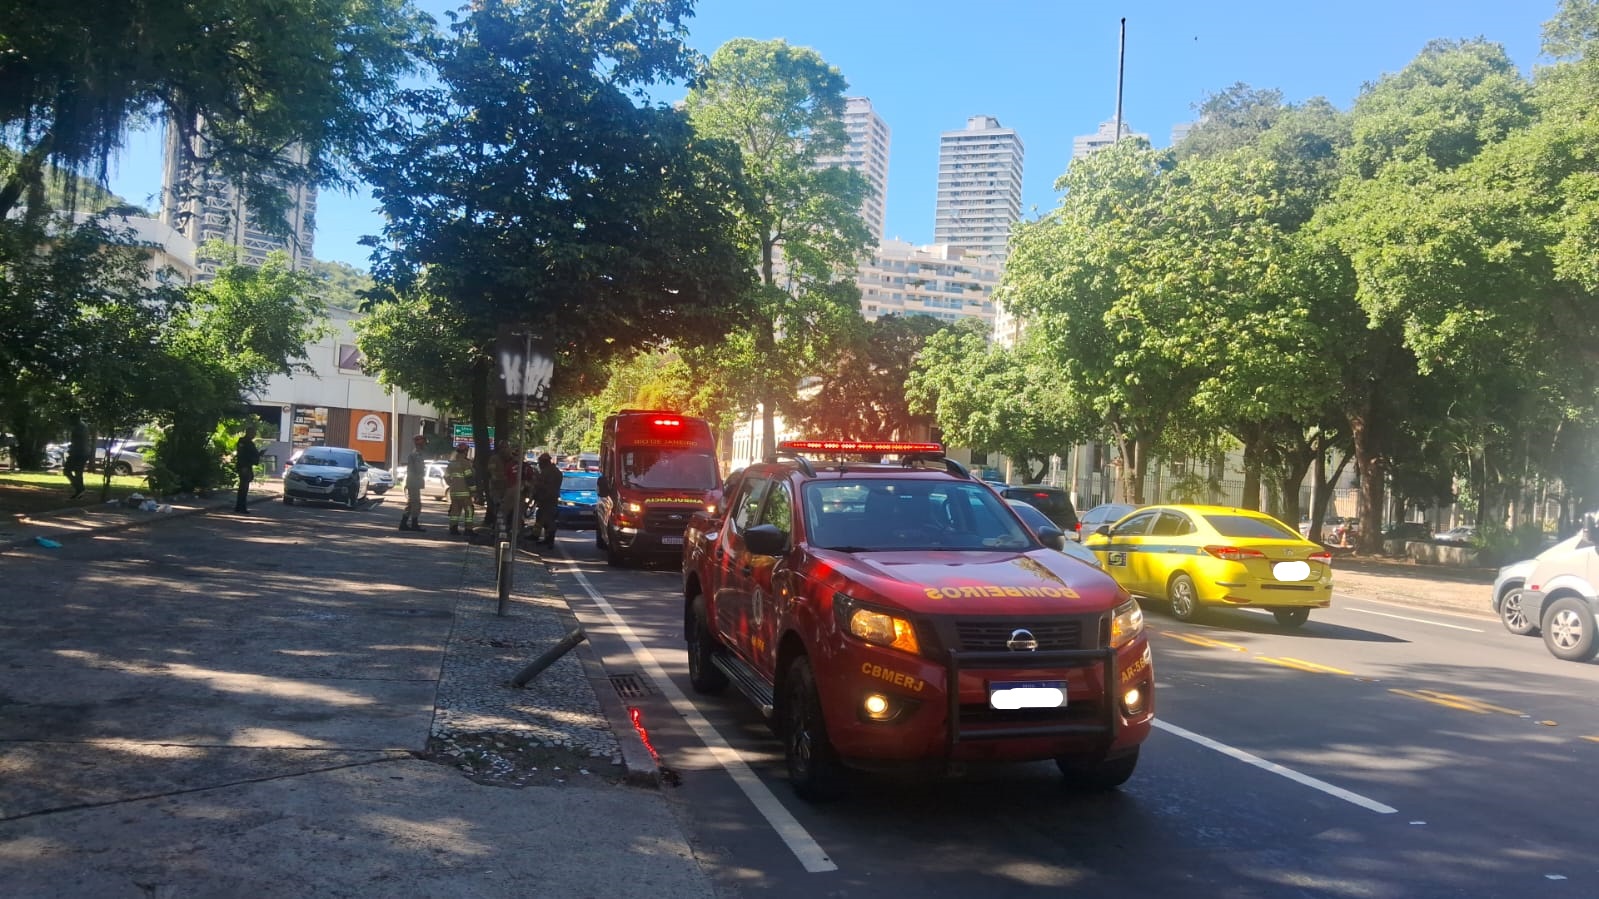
<point>1121,69</point>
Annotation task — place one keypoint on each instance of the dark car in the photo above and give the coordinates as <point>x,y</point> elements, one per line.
<point>1101,515</point>
<point>1052,501</point>
<point>326,473</point>
<point>578,496</point>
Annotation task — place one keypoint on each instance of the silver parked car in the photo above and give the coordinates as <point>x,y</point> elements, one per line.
<point>1512,579</point>
<point>326,473</point>
<point>378,480</point>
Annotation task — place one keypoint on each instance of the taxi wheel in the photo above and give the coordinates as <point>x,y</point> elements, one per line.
<point>703,674</point>
<point>1183,598</point>
<point>1568,630</point>
<point>1513,616</point>
<point>1107,774</point>
<point>813,767</point>
<point>1291,617</point>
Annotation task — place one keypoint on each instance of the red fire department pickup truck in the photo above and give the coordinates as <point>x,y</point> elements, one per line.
<point>898,615</point>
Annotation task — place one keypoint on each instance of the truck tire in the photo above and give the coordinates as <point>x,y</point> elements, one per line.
<point>813,766</point>
<point>703,674</point>
<point>1097,777</point>
<point>1568,630</point>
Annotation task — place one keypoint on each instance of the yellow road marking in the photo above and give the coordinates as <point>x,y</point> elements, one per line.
<point>1435,700</point>
<point>1205,641</point>
<point>1485,706</point>
<point>1302,665</point>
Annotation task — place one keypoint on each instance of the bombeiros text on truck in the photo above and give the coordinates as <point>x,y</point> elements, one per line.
<point>657,468</point>
<point>899,615</point>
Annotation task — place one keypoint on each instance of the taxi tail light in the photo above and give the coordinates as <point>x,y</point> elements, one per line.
<point>1235,553</point>
<point>1323,557</point>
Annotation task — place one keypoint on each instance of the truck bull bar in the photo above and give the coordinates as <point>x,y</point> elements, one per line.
<point>1109,716</point>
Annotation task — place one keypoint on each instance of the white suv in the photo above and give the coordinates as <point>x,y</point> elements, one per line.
<point>1561,595</point>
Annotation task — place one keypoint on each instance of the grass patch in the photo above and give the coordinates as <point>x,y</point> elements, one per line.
<point>33,492</point>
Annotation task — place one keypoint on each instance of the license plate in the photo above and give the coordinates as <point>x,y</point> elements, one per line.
<point>672,541</point>
<point>1008,695</point>
<point>1290,571</point>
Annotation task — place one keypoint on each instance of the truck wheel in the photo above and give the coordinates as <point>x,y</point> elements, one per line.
<point>1097,777</point>
<point>1513,616</point>
<point>702,644</point>
<point>288,500</point>
<point>813,767</point>
<point>1568,630</point>
<point>1183,598</point>
<point>1291,617</point>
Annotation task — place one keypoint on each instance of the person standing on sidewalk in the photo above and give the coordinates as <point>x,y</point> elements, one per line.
<point>548,497</point>
<point>77,455</point>
<point>458,476</point>
<point>245,457</point>
<point>416,468</point>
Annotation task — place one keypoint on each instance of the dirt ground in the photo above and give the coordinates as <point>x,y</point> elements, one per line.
<point>1397,580</point>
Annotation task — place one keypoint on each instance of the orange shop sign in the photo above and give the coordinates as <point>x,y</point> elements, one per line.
<point>369,434</point>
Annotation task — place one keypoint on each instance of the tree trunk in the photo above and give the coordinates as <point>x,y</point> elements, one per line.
<point>1370,466</point>
<point>1251,497</point>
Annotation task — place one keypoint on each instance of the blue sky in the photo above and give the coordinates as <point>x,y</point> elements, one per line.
<point>1046,68</point>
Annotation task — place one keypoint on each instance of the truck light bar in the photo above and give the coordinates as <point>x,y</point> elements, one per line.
<point>861,446</point>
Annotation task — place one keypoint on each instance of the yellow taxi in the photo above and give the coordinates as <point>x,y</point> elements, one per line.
<point>1197,556</point>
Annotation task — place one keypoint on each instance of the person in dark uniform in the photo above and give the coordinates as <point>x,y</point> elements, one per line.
<point>548,497</point>
<point>245,458</point>
<point>77,455</point>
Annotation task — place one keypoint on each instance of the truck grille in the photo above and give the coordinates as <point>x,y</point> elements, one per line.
<point>992,635</point>
<point>667,520</point>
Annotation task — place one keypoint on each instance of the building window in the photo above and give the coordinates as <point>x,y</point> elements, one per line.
<point>350,358</point>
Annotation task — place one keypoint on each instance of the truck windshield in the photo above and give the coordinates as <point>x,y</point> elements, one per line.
<point>878,514</point>
<point>673,469</point>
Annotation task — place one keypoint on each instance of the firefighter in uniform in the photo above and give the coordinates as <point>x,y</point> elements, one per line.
<point>548,497</point>
<point>458,475</point>
<point>416,468</point>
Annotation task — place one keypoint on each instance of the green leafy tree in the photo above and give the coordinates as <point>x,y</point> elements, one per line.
<point>255,76</point>
<point>1009,401</point>
<point>782,107</point>
<point>527,188</point>
<point>860,391</point>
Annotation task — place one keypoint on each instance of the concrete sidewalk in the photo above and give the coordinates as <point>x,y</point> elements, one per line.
<point>301,702</point>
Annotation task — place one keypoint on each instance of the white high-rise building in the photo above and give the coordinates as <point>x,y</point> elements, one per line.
<point>941,281</point>
<point>867,153</point>
<point>203,206</point>
<point>979,186</point>
<point>1084,144</point>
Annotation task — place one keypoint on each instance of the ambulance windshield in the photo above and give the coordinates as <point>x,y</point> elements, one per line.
<point>668,469</point>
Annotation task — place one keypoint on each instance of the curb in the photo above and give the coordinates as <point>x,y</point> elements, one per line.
<point>640,767</point>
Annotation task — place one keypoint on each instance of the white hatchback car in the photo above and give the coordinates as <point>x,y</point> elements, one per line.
<point>328,474</point>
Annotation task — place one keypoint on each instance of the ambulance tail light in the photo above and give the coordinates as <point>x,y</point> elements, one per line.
<point>1235,553</point>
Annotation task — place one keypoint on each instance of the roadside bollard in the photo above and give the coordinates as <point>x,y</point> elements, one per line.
<point>506,557</point>
<point>544,661</point>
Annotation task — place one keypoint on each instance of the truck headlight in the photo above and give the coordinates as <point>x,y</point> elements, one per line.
<point>1127,623</point>
<point>878,627</point>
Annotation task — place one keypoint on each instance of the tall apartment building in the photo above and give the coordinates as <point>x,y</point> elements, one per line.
<point>979,186</point>
<point>203,206</point>
<point>1084,144</point>
<point>941,281</point>
<point>867,153</point>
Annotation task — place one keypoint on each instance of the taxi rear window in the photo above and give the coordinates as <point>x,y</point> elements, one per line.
<point>1250,526</point>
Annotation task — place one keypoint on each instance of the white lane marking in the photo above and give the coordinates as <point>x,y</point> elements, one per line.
<point>1457,627</point>
<point>1273,767</point>
<point>790,831</point>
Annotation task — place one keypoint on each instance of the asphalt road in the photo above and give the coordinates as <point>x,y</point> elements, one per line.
<point>1380,751</point>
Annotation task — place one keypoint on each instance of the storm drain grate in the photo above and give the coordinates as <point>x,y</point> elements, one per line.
<point>630,686</point>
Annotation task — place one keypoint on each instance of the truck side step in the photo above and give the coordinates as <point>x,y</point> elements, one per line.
<point>747,680</point>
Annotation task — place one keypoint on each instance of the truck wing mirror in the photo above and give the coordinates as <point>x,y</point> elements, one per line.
<point>765,540</point>
<point>1054,538</point>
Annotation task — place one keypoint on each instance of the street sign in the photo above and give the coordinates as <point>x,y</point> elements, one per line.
<point>460,434</point>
